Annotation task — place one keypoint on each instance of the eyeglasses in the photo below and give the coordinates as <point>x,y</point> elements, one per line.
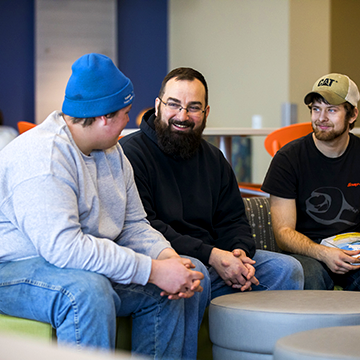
<point>192,109</point>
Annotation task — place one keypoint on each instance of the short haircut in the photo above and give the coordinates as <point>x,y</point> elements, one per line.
<point>183,73</point>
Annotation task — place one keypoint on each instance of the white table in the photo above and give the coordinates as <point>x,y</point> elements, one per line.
<point>226,134</point>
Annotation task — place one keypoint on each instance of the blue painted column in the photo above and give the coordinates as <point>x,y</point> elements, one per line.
<point>142,54</point>
<point>143,49</point>
<point>17,61</point>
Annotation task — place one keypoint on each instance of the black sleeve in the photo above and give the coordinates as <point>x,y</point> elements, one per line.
<point>281,179</point>
<point>230,222</point>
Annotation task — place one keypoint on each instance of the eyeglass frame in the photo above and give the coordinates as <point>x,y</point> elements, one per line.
<point>198,112</point>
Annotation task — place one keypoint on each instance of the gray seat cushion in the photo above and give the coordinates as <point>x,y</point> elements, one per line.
<point>327,343</point>
<point>250,323</point>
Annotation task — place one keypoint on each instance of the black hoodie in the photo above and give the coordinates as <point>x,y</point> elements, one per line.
<point>196,203</point>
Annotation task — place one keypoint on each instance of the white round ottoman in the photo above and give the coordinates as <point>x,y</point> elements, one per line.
<point>327,343</point>
<point>247,325</point>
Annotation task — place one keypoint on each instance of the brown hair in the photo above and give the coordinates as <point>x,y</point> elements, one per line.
<point>183,73</point>
<point>350,109</point>
<point>88,121</point>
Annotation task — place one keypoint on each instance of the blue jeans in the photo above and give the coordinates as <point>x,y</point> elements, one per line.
<point>82,306</point>
<point>274,271</point>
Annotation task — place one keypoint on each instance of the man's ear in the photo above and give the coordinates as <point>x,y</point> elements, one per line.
<point>356,113</point>
<point>102,120</point>
<point>157,103</point>
<point>207,111</point>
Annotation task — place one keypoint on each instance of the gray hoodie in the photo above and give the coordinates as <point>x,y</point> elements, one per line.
<point>75,211</point>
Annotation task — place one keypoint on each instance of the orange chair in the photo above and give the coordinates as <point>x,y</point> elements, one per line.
<point>250,190</point>
<point>280,137</point>
<point>25,126</point>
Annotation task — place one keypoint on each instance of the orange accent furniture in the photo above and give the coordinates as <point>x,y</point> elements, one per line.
<point>25,126</point>
<point>280,137</point>
<point>249,190</point>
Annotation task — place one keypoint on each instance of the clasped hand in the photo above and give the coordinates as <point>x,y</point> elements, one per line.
<point>175,277</point>
<point>235,268</point>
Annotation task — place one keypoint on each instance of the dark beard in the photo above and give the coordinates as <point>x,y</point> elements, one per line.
<point>329,135</point>
<point>178,144</point>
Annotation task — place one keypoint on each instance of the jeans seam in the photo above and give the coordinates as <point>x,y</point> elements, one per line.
<point>156,327</point>
<point>160,303</point>
<point>67,293</point>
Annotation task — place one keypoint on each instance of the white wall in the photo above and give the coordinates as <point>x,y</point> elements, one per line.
<point>255,55</point>
<point>241,47</point>
<point>65,30</point>
<point>310,31</point>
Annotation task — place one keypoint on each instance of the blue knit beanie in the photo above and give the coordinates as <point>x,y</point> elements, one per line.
<point>96,87</point>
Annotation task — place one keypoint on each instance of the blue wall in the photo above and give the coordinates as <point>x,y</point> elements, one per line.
<point>17,100</point>
<point>142,54</point>
<point>143,49</point>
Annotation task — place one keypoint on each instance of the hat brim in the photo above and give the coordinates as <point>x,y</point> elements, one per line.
<point>329,96</point>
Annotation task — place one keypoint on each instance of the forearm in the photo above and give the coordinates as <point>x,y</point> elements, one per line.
<point>284,217</point>
<point>292,241</point>
<point>337,260</point>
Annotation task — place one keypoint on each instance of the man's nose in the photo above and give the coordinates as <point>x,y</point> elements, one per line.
<point>323,115</point>
<point>183,114</point>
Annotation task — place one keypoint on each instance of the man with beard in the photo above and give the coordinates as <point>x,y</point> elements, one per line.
<point>314,184</point>
<point>191,195</point>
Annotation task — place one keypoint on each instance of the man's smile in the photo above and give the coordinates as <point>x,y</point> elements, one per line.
<point>181,125</point>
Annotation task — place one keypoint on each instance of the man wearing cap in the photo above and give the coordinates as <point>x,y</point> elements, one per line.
<point>314,184</point>
<point>76,249</point>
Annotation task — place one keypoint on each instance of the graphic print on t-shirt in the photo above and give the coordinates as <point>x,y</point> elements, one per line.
<point>327,205</point>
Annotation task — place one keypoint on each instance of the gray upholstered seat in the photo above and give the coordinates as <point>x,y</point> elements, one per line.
<point>333,343</point>
<point>247,325</point>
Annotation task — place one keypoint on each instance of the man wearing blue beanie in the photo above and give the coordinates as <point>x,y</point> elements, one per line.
<point>76,248</point>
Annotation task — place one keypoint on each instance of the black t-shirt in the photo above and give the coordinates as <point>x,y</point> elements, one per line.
<point>327,190</point>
